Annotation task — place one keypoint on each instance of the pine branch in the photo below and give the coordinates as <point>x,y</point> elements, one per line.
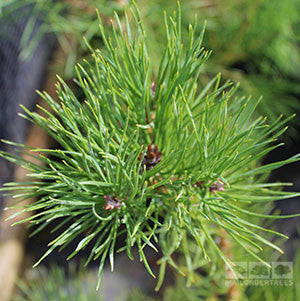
<point>170,161</point>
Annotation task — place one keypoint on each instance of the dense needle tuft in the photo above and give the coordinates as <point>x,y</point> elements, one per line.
<point>158,197</point>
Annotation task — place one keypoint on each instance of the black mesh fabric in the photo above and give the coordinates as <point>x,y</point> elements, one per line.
<point>18,81</point>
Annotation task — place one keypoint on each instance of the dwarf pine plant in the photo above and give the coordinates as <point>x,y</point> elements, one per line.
<point>150,160</point>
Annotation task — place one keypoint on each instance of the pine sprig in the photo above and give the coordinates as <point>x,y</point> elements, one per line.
<point>160,162</point>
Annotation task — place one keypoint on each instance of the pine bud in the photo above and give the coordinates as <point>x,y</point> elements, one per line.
<point>112,202</point>
<point>153,88</point>
<point>152,157</point>
<point>217,186</point>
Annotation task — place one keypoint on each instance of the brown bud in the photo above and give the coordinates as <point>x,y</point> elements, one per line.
<point>112,202</point>
<point>199,184</point>
<point>153,88</point>
<point>217,186</point>
<point>152,157</point>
